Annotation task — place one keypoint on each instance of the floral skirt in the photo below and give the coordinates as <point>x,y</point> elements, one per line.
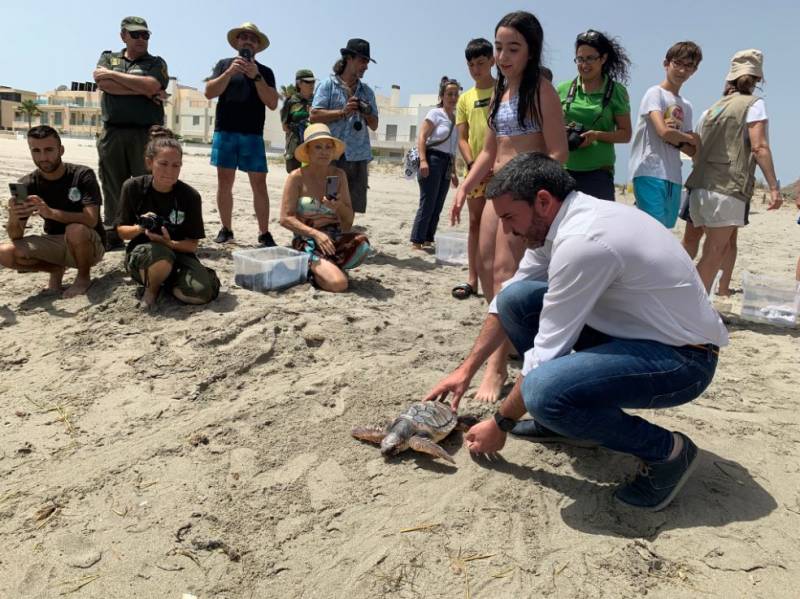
<point>351,248</point>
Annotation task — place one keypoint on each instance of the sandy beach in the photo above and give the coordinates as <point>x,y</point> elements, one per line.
<point>206,450</point>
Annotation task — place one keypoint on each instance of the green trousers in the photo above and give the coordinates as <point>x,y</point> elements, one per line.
<point>120,152</point>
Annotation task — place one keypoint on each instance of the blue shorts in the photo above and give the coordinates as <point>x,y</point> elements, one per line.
<point>244,151</point>
<point>660,198</point>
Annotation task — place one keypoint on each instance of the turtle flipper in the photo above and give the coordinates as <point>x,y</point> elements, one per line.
<point>425,445</point>
<point>373,435</point>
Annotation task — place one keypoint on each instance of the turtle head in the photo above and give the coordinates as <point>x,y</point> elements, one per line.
<point>392,444</point>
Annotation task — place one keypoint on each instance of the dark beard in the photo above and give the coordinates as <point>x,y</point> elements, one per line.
<point>56,165</point>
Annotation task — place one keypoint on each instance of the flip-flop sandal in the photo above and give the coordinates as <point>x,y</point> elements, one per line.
<point>463,291</point>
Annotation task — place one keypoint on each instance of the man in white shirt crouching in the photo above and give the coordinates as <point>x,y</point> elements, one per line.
<point>611,283</point>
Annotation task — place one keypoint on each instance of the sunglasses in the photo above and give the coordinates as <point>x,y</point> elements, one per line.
<point>145,35</point>
<point>588,36</point>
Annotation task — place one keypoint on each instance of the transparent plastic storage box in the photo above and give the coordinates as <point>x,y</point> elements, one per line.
<point>770,300</point>
<point>269,269</point>
<point>451,247</point>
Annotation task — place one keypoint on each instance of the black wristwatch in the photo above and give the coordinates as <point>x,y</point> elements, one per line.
<point>503,423</point>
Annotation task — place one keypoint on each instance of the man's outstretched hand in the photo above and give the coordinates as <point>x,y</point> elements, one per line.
<point>455,384</point>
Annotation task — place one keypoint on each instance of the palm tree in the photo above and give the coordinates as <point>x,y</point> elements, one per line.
<point>287,91</point>
<point>29,108</point>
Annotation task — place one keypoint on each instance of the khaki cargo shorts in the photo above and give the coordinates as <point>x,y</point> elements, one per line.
<point>53,249</point>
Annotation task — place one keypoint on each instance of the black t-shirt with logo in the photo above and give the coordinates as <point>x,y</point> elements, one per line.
<point>181,207</point>
<point>75,189</point>
<point>239,109</point>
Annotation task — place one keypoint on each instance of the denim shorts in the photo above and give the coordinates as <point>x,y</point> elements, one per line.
<point>660,198</point>
<point>244,151</point>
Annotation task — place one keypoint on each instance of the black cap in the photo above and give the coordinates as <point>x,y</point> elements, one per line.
<point>357,47</point>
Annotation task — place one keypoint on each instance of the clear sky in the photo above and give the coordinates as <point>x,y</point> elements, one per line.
<point>415,42</point>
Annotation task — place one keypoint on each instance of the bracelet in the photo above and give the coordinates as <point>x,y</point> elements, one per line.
<point>469,165</point>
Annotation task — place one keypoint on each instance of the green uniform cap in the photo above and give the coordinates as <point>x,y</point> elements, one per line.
<point>134,24</point>
<point>306,74</point>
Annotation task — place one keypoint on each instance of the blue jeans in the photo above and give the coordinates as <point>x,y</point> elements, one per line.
<point>432,192</point>
<point>583,394</point>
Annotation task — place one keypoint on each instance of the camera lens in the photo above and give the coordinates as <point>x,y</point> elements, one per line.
<point>357,126</point>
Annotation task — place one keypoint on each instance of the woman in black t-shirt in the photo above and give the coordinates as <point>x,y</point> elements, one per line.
<point>161,218</point>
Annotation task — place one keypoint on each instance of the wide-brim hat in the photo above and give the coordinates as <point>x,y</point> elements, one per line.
<point>263,40</point>
<point>306,75</point>
<point>313,133</point>
<point>357,47</point>
<point>746,62</point>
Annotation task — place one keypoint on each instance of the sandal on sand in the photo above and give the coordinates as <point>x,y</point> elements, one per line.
<point>463,291</point>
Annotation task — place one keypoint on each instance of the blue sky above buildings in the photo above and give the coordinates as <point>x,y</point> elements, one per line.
<point>416,42</point>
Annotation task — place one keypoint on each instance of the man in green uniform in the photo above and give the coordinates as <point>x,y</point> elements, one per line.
<point>294,115</point>
<point>134,85</point>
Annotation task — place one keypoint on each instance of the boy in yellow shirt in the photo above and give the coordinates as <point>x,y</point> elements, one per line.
<point>472,112</point>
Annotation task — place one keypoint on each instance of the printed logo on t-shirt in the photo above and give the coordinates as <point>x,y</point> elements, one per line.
<point>74,195</point>
<point>176,217</point>
<point>673,117</point>
<point>482,103</point>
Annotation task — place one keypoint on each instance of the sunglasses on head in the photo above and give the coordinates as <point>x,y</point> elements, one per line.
<point>145,35</point>
<point>589,36</point>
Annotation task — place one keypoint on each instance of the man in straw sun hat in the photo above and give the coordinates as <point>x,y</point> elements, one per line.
<point>244,87</point>
<point>317,209</point>
<point>348,106</point>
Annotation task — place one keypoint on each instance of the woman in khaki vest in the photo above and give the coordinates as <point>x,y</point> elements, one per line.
<point>734,139</point>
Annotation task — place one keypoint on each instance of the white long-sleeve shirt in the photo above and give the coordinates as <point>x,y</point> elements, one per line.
<point>618,270</point>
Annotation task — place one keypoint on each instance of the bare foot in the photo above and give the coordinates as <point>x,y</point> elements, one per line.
<point>148,301</point>
<point>78,287</point>
<point>54,284</point>
<point>417,246</point>
<point>492,385</point>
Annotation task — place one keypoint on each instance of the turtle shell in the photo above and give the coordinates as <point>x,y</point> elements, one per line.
<point>431,418</point>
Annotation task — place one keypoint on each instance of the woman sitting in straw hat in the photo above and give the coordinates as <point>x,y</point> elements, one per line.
<point>316,208</point>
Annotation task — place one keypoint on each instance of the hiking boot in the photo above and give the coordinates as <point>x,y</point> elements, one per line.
<point>530,430</point>
<point>224,236</point>
<point>265,240</point>
<point>657,483</point>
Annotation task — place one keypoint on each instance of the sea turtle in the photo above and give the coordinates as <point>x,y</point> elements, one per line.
<point>420,428</point>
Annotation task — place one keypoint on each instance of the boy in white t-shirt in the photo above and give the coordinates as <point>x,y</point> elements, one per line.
<point>663,131</point>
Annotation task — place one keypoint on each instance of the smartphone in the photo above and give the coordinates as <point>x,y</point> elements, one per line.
<point>331,187</point>
<point>246,53</point>
<point>19,191</point>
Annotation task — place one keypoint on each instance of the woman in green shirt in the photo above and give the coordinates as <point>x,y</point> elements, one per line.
<point>597,112</point>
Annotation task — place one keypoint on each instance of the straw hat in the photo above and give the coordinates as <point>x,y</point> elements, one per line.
<point>314,132</point>
<point>263,40</point>
<point>746,62</point>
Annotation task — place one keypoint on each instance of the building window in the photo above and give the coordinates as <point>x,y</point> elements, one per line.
<point>391,132</point>
<point>58,118</point>
<point>94,120</point>
<point>73,118</point>
<point>195,121</point>
<point>412,133</point>
<point>43,120</point>
<point>177,119</point>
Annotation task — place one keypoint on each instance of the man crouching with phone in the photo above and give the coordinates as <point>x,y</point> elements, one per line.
<point>67,198</point>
